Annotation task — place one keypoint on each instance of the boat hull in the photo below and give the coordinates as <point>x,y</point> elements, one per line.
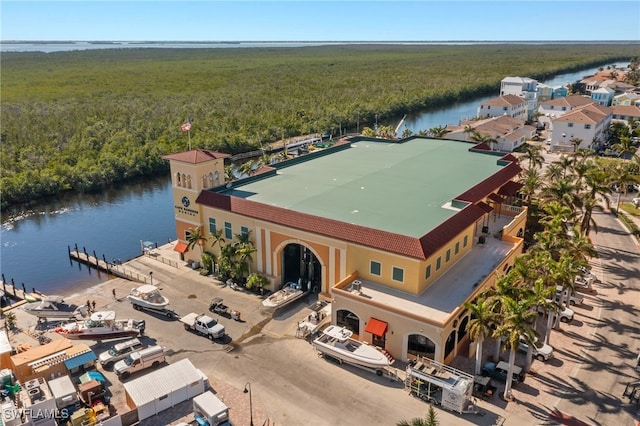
<point>146,304</point>
<point>101,336</point>
<point>377,361</point>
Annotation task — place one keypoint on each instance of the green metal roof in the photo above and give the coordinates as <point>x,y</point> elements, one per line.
<point>402,188</point>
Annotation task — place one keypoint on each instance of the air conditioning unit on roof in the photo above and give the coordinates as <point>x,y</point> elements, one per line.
<point>356,285</point>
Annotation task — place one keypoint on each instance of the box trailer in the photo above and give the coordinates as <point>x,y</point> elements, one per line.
<point>209,410</point>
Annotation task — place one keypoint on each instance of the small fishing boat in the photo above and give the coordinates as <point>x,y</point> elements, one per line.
<point>336,342</point>
<point>290,292</point>
<point>54,307</point>
<point>147,296</point>
<point>101,325</point>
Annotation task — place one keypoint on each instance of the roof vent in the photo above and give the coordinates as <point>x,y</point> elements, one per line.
<point>34,394</point>
<point>32,384</point>
<point>356,285</point>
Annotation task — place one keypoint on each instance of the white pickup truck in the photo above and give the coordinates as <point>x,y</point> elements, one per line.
<point>204,325</point>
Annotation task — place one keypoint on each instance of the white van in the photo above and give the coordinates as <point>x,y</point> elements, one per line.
<point>152,356</point>
<point>119,351</point>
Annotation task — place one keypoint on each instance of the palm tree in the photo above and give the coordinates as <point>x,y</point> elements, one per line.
<point>480,326</point>
<point>530,179</point>
<point>438,131</point>
<point>533,156</point>
<point>625,147</point>
<point>431,420</point>
<point>576,143</point>
<point>196,237</point>
<point>516,314</point>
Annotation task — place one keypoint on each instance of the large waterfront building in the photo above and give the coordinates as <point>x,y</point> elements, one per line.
<point>396,234</point>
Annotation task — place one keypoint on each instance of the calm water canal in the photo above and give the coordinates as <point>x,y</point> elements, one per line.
<point>113,222</point>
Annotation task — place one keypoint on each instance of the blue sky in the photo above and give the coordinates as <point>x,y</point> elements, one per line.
<point>320,20</point>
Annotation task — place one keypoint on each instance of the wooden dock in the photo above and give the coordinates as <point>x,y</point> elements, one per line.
<point>115,269</point>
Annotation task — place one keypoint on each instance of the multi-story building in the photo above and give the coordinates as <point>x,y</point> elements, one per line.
<point>549,110</point>
<point>603,96</point>
<point>524,87</point>
<point>588,124</point>
<point>507,132</point>
<point>397,235</point>
<point>507,105</point>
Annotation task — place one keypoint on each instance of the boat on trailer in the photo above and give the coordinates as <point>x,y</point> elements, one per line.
<point>101,325</point>
<point>290,292</point>
<point>336,342</point>
<point>54,307</point>
<point>147,296</point>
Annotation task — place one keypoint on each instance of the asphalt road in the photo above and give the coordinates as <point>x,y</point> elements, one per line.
<point>610,350</point>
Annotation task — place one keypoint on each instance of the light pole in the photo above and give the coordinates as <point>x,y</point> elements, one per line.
<point>247,388</point>
<point>151,277</point>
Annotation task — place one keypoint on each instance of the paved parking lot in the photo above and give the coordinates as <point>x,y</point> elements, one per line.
<point>290,384</point>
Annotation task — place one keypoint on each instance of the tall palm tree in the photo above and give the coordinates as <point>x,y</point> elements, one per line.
<point>533,156</point>
<point>480,326</point>
<point>531,182</point>
<point>625,147</point>
<point>576,143</point>
<point>438,131</point>
<point>516,314</point>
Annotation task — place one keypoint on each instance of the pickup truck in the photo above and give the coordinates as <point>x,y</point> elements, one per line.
<point>499,372</point>
<point>203,325</point>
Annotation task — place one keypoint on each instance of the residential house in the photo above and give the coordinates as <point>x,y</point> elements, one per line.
<point>589,124</point>
<point>508,132</point>
<point>507,105</point>
<point>551,109</point>
<point>324,219</point>
<point>627,99</point>
<point>626,112</point>
<point>524,87</point>
<point>603,96</point>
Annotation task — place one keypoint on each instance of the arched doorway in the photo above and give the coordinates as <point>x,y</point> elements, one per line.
<point>348,320</point>
<point>300,264</point>
<point>463,342</point>
<point>421,346</point>
<point>449,345</point>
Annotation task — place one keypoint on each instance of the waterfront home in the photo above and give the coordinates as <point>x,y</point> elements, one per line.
<point>507,105</point>
<point>524,87</point>
<point>548,110</point>
<point>507,132</point>
<point>603,96</point>
<point>627,99</point>
<point>626,112</point>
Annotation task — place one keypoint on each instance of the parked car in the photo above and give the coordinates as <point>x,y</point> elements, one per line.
<point>586,274</point>
<point>119,351</point>
<point>499,372</point>
<point>540,350</point>
<point>636,202</point>
<point>580,283</point>
<point>574,299</point>
<point>566,314</point>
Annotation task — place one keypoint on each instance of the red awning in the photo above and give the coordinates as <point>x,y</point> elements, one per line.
<point>495,198</point>
<point>510,188</point>
<point>181,247</point>
<point>376,327</point>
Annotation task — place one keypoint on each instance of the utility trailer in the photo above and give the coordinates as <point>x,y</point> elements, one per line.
<point>442,385</point>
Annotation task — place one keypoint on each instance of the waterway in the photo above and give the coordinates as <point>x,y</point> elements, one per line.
<point>34,240</point>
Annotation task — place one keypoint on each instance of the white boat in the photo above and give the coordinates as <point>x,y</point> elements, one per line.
<point>54,307</point>
<point>336,342</point>
<point>290,292</point>
<point>147,296</point>
<point>101,326</point>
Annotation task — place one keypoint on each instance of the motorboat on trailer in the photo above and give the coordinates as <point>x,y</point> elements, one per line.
<point>54,307</point>
<point>336,342</point>
<point>290,292</point>
<point>102,325</point>
<point>148,296</point>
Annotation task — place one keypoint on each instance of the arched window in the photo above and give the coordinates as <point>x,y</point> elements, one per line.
<point>348,320</point>
<point>204,181</point>
<point>462,331</point>
<point>210,179</point>
<point>189,181</point>
<point>184,180</point>
<point>178,180</point>
<point>419,345</point>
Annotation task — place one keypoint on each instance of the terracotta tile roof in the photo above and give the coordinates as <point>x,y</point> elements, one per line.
<point>496,198</point>
<point>510,188</point>
<point>582,115</point>
<point>569,101</point>
<point>487,186</point>
<point>196,156</point>
<point>506,100</point>
<point>626,110</point>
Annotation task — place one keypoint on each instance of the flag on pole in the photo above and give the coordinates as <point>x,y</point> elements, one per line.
<point>186,126</point>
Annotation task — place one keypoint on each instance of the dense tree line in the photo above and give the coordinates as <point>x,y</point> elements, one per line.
<point>84,119</point>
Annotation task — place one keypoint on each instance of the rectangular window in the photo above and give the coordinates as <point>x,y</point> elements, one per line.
<point>587,126</point>
<point>438,263</point>
<point>375,268</point>
<point>457,247</point>
<point>448,256</point>
<point>465,241</point>
<point>228,231</point>
<point>428,272</point>
<point>398,274</point>
<point>570,124</point>
<point>212,226</point>
<point>244,230</point>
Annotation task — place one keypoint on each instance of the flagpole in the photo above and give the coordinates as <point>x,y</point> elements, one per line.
<point>189,136</point>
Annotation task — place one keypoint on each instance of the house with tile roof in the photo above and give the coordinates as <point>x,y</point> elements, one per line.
<point>626,112</point>
<point>548,110</point>
<point>396,234</point>
<point>626,99</point>
<point>524,87</point>
<point>507,105</point>
<point>588,124</point>
<point>508,133</point>
<point>603,96</point>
